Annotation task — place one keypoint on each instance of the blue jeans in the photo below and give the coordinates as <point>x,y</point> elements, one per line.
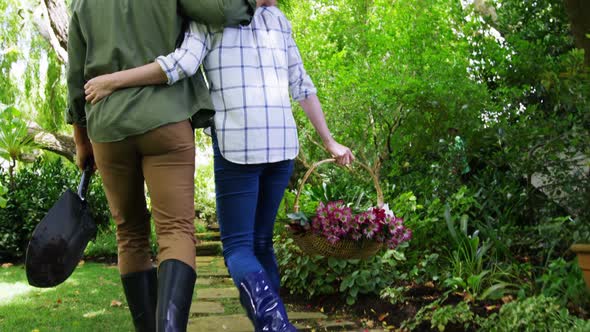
<point>248,198</point>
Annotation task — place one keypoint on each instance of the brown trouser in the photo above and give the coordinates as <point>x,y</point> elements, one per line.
<point>165,159</point>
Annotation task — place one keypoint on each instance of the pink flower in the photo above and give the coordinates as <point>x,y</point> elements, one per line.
<point>336,221</point>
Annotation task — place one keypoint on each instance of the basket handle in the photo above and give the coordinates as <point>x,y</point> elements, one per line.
<point>331,160</point>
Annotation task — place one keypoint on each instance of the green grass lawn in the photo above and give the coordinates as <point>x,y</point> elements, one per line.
<point>90,300</point>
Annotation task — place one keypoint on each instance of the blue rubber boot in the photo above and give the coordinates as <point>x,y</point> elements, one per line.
<point>263,306</point>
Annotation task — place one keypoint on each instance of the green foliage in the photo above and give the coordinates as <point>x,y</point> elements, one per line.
<point>540,119</point>
<point>394,295</point>
<point>451,165</point>
<point>485,119</point>
<point>36,188</point>
<point>317,275</point>
<point>537,313</point>
<point>9,33</point>
<point>580,231</point>
<point>563,281</point>
<point>460,314</point>
<point>427,219</point>
<point>14,138</point>
<point>105,243</point>
<point>3,192</point>
<point>423,269</point>
<point>205,192</point>
<point>468,261</point>
<point>441,316</point>
<point>33,78</point>
<point>50,109</point>
<point>371,71</point>
<point>200,226</point>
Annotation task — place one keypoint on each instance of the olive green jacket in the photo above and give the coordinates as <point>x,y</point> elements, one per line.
<point>112,35</point>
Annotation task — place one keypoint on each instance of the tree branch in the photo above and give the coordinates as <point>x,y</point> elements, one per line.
<point>51,19</point>
<point>60,144</point>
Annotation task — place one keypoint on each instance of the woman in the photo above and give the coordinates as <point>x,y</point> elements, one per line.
<point>251,71</point>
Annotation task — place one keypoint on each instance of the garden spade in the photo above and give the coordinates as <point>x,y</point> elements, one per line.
<point>59,240</point>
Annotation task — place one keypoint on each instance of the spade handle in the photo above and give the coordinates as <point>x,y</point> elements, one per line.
<point>85,180</point>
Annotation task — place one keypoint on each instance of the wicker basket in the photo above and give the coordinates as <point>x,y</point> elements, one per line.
<point>313,244</point>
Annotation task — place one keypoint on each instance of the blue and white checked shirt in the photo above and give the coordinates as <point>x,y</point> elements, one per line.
<point>251,70</point>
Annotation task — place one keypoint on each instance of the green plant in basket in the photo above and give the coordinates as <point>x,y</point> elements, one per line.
<point>299,221</point>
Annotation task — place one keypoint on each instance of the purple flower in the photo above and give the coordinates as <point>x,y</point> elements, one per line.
<point>335,221</point>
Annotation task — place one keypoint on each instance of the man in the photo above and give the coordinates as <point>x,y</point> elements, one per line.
<point>144,134</point>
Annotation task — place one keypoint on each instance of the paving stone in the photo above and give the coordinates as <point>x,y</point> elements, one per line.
<point>213,227</point>
<point>336,325</point>
<point>227,281</point>
<point>304,327</point>
<point>208,236</point>
<point>207,307</point>
<point>217,293</point>
<point>208,248</point>
<point>220,283</point>
<point>205,260</point>
<point>218,264</point>
<point>204,281</point>
<point>228,323</point>
<point>306,315</point>
<point>214,273</point>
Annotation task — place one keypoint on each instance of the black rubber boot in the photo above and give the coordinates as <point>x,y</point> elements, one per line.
<point>141,290</point>
<point>263,306</point>
<point>176,282</point>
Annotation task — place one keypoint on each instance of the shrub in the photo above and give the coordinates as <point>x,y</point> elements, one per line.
<point>105,243</point>
<point>36,188</point>
<point>205,192</point>
<point>564,282</point>
<point>3,192</point>
<point>440,317</point>
<point>538,313</point>
<point>316,275</point>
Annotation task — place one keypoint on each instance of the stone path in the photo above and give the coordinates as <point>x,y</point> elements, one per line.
<point>216,305</point>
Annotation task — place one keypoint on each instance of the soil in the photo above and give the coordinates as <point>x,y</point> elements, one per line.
<point>375,312</point>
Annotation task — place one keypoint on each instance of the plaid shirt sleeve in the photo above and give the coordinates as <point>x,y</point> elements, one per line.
<point>186,60</point>
<point>300,83</point>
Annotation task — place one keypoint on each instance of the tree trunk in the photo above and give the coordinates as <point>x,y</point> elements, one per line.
<point>579,14</point>
<point>61,144</point>
<point>58,15</point>
<point>51,18</point>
